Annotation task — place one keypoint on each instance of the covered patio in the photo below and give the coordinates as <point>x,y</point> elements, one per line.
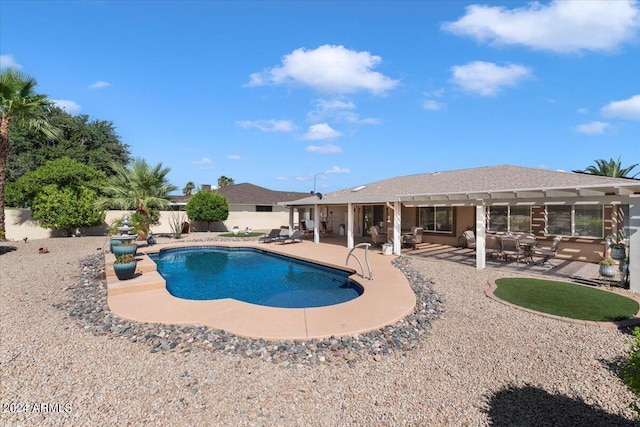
<point>556,203</point>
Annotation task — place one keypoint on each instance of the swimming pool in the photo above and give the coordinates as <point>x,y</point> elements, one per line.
<point>253,276</point>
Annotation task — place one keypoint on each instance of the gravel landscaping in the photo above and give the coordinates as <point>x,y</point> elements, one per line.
<point>459,359</point>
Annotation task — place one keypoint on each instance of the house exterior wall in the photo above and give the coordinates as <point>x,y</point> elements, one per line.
<point>571,248</point>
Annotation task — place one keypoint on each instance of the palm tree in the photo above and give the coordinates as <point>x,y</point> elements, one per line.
<point>188,188</point>
<point>223,181</point>
<point>19,102</point>
<point>609,168</point>
<point>140,187</point>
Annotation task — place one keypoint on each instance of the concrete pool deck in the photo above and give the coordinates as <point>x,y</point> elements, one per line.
<point>386,299</point>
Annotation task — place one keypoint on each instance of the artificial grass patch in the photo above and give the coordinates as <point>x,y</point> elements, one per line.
<point>252,234</point>
<point>566,299</point>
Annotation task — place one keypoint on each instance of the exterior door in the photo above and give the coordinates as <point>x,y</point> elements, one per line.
<point>372,215</point>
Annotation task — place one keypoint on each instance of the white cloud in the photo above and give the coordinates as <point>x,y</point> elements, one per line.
<point>339,110</point>
<point>204,163</point>
<point>324,149</point>
<point>67,105</point>
<point>320,131</point>
<point>99,84</point>
<point>583,110</point>
<point>337,170</point>
<point>349,117</point>
<point>438,93</point>
<point>281,178</point>
<point>8,61</point>
<point>593,128</point>
<point>559,26</point>
<point>332,69</point>
<point>626,109</point>
<point>487,78</point>
<point>267,125</point>
<point>234,157</point>
<point>433,105</point>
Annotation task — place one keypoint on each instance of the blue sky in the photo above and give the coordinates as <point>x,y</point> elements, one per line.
<point>288,94</point>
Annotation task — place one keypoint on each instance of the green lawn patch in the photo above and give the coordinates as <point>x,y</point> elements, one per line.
<point>566,299</point>
<point>252,234</point>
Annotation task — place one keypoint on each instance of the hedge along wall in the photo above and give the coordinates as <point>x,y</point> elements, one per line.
<point>20,224</point>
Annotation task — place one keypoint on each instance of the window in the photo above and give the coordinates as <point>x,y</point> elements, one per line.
<point>436,219</point>
<point>579,220</point>
<point>520,219</point>
<point>498,219</point>
<point>264,208</point>
<point>509,219</point>
<point>589,221</point>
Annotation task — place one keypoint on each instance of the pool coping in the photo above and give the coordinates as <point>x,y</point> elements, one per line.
<point>620,324</point>
<point>386,299</point>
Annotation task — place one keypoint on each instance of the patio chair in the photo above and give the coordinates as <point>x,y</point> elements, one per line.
<point>511,248</point>
<point>273,235</point>
<point>376,236</point>
<point>469,238</point>
<point>414,238</point>
<point>307,228</point>
<point>324,229</point>
<point>492,246</point>
<point>547,254</point>
<point>296,237</point>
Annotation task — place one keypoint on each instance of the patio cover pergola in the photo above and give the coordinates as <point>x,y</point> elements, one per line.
<point>483,187</point>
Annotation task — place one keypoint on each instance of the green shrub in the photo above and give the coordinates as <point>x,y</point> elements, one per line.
<point>630,370</point>
<point>66,208</point>
<point>208,207</point>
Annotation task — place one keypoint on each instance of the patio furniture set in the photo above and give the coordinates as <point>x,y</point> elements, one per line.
<point>516,246</point>
<point>409,238</point>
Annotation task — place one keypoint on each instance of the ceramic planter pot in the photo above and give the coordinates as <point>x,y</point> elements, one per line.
<point>113,243</point>
<point>607,270</point>
<point>125,271</point>
<point>618,253</point>
<point>124,249</point>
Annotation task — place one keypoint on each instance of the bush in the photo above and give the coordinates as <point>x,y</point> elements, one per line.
<point>66,208</point>
<point>630,370</point>
<point>207,206</point>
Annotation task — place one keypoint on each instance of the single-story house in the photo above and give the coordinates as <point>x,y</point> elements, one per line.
<point>583,209</point>
<point>250,206</point>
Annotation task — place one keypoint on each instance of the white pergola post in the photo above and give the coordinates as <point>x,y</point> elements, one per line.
<point>634,243</point>
<point>397,228</point>
<point>480,237</point>
<point>350,208</point>
<point>291,208</point>
<point>316,222</point>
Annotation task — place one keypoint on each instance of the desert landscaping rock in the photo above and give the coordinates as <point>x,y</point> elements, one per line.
<point>458,359</point>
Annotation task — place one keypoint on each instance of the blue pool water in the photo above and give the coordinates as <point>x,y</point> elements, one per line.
<point>252,276</point>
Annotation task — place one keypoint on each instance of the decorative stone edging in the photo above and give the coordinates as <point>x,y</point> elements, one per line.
<point>635,321</point>
<point>87,304</point>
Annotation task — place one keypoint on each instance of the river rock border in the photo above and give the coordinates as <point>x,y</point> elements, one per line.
<point>87,304</point>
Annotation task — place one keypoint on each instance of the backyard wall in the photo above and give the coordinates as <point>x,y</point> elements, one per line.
<point>20,224</point>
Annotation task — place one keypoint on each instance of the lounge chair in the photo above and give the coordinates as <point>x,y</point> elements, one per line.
<point>547,254</point>
<point>273,235</point>
<point>296,237</point>
<point>376,236</point>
